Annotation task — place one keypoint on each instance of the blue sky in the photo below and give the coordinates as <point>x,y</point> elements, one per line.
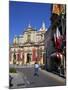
<point>23,13</point>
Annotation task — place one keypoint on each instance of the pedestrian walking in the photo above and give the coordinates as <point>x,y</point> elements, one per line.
<point>36,69</point>
<point>10,81</point>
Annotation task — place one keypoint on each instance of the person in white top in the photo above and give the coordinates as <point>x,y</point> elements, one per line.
<point>36,69</point>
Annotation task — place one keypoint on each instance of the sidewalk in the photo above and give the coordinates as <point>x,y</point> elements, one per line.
<point>17,81</point>
<point>52,75</point>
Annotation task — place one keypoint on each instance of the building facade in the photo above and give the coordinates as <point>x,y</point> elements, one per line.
<point>49,49</point>
<point>28,47</point>
<point>56,48</point>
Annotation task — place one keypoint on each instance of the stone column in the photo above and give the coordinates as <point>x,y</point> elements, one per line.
<point>17,59</point>
<point>25,58</point>
<point>21,58</point>
<point>11,58</point>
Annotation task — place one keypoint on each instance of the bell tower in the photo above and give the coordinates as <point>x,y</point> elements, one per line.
<point>43,28</point>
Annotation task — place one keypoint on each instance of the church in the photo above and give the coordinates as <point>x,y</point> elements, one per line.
<point>28,47</point>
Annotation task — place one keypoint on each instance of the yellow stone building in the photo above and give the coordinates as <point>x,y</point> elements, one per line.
<point>28,47</point>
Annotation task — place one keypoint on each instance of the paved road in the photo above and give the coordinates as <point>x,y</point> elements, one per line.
<point>27,79</point>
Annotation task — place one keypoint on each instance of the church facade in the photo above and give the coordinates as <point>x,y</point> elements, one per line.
<point>28,47</point>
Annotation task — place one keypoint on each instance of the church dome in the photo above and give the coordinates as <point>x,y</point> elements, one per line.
<point>30,28</point>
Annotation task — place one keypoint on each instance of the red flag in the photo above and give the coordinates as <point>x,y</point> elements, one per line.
<point>18,56</point>
<point>34,54</point>
<point>22,56</point>
<point>58,39</point>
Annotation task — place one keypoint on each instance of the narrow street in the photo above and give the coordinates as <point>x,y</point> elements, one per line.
<point>26,78</point>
